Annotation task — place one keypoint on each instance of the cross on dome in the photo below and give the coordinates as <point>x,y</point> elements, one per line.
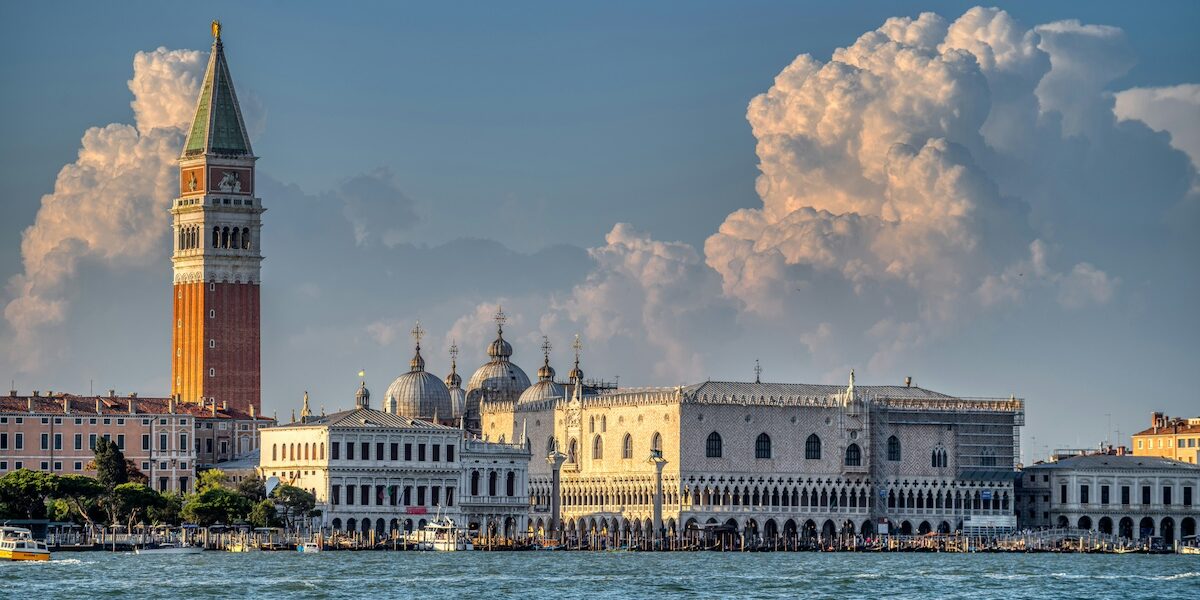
<point>418,333</point>
<point>453,351</point>
<point>546,347</point>
<point>500,318</point>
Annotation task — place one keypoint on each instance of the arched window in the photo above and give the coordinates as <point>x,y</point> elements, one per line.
<point>853,456</point>
<point>591,424</point>
<point>322,451</point>
<point>305,451</point>
<point>234,241</point>
<point>492,483</point>
<point>572,451</point>
<point>603,423</point>
<point>216,237</point>
<point>511,485</point>
<point>656,442</point>
<point>274,452</point>
<point>989,457</point>
<point>627,447</point>
<point>474,483</point>
<point>894,449</point>
<point>712,447</point>
<point>762,446</point>
<point>597,448</point>
<point>812,447</point>
<point>550,445</point>
<point>245,238</point>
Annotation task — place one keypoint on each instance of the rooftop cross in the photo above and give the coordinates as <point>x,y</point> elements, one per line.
<point>578,346</point>
<point>546,347</point>
<point>418,333</point>
<point>500,317</point>
<point>757,372</point>
<point>453,351</point>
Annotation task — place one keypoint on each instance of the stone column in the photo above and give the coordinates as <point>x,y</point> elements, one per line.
<point>555,460</point>
<point>659,462</point>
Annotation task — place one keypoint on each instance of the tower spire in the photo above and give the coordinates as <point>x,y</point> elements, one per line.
<point>218,127</point>
<point>576,374</point>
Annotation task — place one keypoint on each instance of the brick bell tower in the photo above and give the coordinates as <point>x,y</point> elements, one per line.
<point>217,257</point>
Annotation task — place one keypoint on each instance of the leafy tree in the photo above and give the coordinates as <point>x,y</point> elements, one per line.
<point>253,488</point>
<point>23,493</point>
<point>263,514</point>
<point>169,511</point>
<point>135,474</point>
<point>216,504</point>
<point>133,501</point>
<point>212,478</point>
<point>297,503</point>
<point>83,494</point>
<point>111,468</point>
<point>58,510</point>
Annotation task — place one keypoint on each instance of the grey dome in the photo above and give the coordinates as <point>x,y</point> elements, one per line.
<point>498,380</point>
<point>458,402</point>
<point>541,390</point>
<point>418,394</point>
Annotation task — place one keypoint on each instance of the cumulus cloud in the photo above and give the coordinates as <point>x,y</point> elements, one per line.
<point>1173,109</point>
<point>108,206</point>
<point>375,206</point>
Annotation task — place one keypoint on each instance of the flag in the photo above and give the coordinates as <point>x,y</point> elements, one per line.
<point>362,373</point>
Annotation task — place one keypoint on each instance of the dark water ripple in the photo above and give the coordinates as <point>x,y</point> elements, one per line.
<point>601,575</point>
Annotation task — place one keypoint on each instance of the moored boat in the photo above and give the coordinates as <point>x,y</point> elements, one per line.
<point>440,535</point>
<point>17,543</point>
<point>308,547</point>
<point>169,548</point>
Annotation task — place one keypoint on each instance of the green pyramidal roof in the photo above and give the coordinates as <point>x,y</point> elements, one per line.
<point>218,127</point>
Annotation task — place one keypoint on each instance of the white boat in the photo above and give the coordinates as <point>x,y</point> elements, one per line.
<point>17,543</point>
<point>308,547</point>
<point>440,535</point>
<point>169,548</point>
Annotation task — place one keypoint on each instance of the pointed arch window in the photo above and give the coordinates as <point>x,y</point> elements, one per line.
<point>627,447</point>
<point>712,446</point>
<point>216,241</point>
<point>893,449</point>
<point>812,447</point>
<point>853,456</point>
<point>597,448</point>
<point>656,442</point>
<point>245,238</point>
<point>762,446</point>
<point>573,451</point>
<point>234,238</point>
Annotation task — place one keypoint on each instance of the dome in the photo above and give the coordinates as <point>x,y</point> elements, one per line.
<point>418,394</point>
<point>362,398</point>
<point>458,402</point>
<point>541,390</point>
<point>498,380</point>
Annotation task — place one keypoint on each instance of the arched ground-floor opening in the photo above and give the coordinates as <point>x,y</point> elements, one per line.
<point>1187,527</point>
<point>906,528</point>
<point>1166,530</point>
<point>1085,523</point>
<point>944,527</point>
<point>1063,521</point>
<point>810,529</point>
<point>867,528</point>
<point>1104,525</point>
<point>789,529</point>
<point>1146,527</point>
<point>828,530</point>
<point>770,530</point>
<point>924,528</point>
<point>1125,528</point>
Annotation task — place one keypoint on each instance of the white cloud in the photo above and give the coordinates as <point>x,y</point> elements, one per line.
<point>110,205</point>
<point>1173,109</point>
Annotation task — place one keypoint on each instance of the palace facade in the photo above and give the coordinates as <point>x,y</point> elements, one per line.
<point>380,472</point>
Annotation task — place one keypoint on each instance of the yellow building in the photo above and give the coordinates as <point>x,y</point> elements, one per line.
<point>1174,438</point>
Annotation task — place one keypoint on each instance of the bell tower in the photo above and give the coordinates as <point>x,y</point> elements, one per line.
<point>217,254</point>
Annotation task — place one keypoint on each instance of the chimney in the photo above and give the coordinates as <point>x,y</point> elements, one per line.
<point>133,406</point>
<point>12,393</point>
<point>908,382</point>
<point>99,407</point>
<point>66,405</point>
<point>224,405</point>
<point>36,394</point>
<point>112,393</point>
<point>214,407</point>
<point>29,404</point>
<point>171,405</point>
<point>251,411</point>
<point>133,394</point>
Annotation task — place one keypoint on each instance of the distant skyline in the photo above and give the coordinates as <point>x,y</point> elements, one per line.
<point>992,202</point>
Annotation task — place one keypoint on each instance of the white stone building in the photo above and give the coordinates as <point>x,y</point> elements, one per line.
<point>1130,496</point>
<point>372,470</point>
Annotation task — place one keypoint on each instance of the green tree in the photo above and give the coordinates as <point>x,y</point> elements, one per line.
<point>253,488</point>
<point>58,510</point>
<point>133,501</point>
<point>23,493</point>
<point>297,503</point>
<point>212,478</point>
<point>111,468</point>
<point>215,505</point>
<point>263,514</point>
<point>83,494</point>
<point>169,511</point>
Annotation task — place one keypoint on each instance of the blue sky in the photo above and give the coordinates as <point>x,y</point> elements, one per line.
<point>503,141</point>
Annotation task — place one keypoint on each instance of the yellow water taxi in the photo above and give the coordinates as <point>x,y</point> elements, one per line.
<point>17,543</point>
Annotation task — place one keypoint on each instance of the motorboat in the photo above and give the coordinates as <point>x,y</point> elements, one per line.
<point>169,548</point>
<point>308,547</point>
<point>17,543</point>
<point>440,535</point>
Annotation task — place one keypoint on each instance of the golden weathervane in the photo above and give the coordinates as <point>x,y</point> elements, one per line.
<point>216,29</point>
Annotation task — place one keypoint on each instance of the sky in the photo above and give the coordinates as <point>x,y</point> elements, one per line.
<point>994,202</point>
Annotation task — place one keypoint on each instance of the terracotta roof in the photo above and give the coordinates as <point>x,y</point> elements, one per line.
<point>113,405</point>
<point>1172,428</point>
<point>366,417</point>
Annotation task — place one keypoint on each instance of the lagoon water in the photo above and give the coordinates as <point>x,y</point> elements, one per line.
<point>603,575</point>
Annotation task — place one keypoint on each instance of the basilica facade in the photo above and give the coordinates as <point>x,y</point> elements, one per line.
<point>760,460</point>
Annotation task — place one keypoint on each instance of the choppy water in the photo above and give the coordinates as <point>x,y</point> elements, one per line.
<point>611,575</point>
